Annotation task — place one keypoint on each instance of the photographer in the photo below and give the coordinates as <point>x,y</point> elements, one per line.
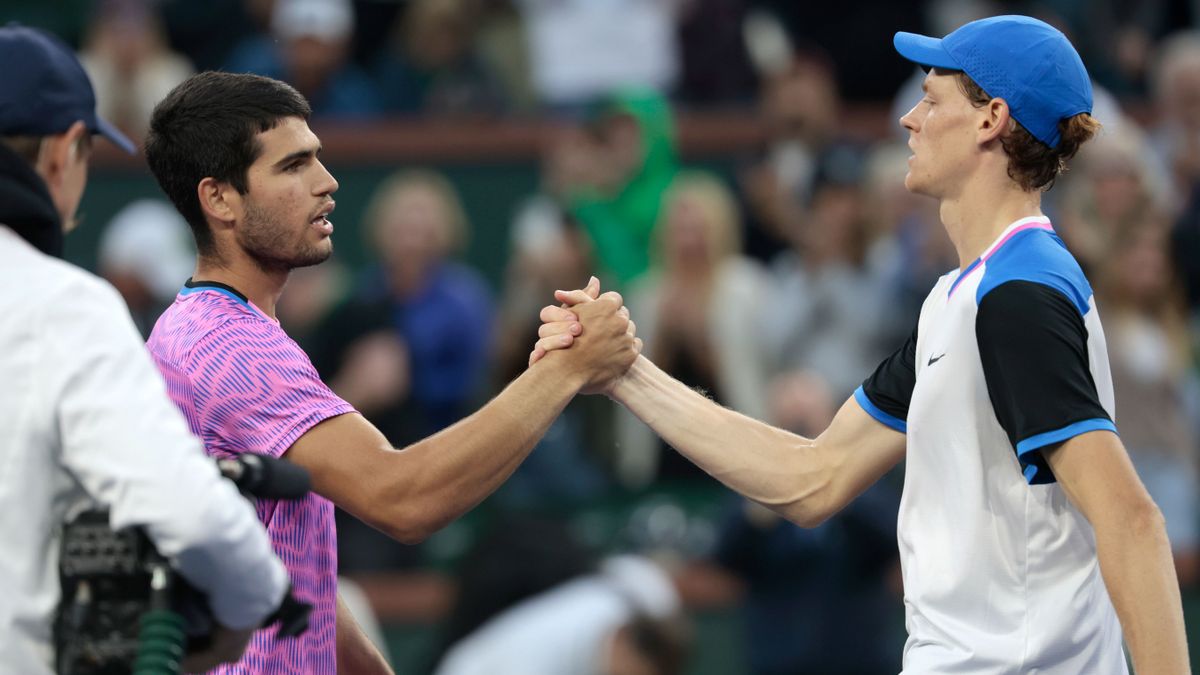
<point>84,416</point>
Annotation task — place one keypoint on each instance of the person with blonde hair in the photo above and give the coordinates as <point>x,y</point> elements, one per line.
<point>697,310</point>
<point>1151,354</point>
<point>416,311</point>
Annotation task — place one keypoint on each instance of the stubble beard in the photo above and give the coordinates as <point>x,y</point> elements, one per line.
<point>274,247</point>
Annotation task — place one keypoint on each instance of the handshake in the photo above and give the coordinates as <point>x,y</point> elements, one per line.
<point>593,336</point>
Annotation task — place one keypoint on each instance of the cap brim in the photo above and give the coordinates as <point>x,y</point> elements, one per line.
<point>924,50</point>
<point>113,134</point>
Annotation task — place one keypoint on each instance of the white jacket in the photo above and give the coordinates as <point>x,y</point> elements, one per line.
<point>84,417</point>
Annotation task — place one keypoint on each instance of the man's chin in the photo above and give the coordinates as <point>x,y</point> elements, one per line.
<point>914,186</point>
<point>315,257</point>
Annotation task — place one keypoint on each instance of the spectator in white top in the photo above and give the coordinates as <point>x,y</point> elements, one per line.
<point>127,57</point>
<point>581,51</point>
<point>620,620</point>
<point>145,250</point>
<point>85,415</point>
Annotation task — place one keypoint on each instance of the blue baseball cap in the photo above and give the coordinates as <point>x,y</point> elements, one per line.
<point>45,88</point>
<point>1028,63</point>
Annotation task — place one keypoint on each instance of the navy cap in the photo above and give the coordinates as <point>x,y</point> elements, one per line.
<point>1028,63</point>
<point>45,89</point>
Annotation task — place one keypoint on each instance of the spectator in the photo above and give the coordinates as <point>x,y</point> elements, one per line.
<point>146,252</point>
<point>309,47</point>
<point>1176,136</point>
<point>416,314</point>
<point>311,294</point>
<point>620,620</point>
<point>208,32</point>
<point>433,66</point>
<point>910,248</point>
<point>714,63</point>
<point>799,106</point>
<point>549,251</point>
<point>1113,190</point>
<point>127,56</point>
<point>1150,348</point>
<point>623,168</point>
<point>581,51</point>
<point>698,316</point>
<point>820,600</point>
<point>831,324</point>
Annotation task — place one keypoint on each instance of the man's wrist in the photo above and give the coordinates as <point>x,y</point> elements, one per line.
<point>559,367</point>
<point>624,386</point>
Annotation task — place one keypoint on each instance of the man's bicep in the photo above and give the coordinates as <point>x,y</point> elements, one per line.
<point>1095,471</point>
<point>344,456</point>
<point>1033,347</point>
<point>886,394</point>
<point>868,448</point>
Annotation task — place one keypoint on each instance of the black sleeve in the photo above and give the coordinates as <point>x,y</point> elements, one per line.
<point>1033,346</point>
<point>886,393</point>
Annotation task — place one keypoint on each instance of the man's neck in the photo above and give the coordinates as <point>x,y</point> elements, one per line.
<point>977,216</point>
<point>261,287</point>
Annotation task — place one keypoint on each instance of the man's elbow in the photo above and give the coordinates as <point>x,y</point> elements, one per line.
<point>1143,517</point>
<point>1134,517</point>
<point>811,508</point>
<point>410,525</point>
<point>397,513</point>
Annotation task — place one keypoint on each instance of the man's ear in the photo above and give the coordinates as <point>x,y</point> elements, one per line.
<point>995,121</point>
<point>60,151</point>
<point>220,201</point>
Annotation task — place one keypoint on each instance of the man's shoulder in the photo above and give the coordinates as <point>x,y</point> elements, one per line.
<point>205,323</point>
<point>45,280</point>
<point>1041,258</point>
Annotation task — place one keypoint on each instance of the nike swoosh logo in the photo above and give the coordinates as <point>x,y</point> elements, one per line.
<point>935,359</point>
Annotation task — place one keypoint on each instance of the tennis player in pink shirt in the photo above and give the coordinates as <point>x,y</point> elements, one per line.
<point>236,156</point>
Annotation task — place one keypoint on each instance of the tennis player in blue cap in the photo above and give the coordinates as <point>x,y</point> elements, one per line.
<point>1026,538</point>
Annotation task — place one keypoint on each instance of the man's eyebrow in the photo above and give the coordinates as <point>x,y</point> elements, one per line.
<point>299,154</point>
<point>925,85</point>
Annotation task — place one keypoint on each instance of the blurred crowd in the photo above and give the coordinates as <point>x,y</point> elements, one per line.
<point>775,287</point>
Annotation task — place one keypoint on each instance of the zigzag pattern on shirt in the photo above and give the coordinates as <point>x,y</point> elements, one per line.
<point>245,386</point>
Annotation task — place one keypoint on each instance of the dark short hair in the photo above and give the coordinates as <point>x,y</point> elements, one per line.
<point>207,127</point>
<point>1031,163</point>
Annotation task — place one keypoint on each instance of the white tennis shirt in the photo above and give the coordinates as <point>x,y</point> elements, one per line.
<point>1000,569</point>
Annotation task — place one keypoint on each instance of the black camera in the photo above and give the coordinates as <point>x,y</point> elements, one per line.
<point>125,609</point>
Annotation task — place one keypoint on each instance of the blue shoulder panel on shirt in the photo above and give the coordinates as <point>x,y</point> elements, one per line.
<point>880,416</point>
<point>1041,257</point>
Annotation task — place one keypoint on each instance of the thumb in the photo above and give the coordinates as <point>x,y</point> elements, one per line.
<point>593,288</point>
<point>572,298</point>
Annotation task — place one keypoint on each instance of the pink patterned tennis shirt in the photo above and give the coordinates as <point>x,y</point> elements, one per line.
<point>245,386</point>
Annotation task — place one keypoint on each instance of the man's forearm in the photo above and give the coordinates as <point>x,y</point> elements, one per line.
<point>803,480</point>
<point>466,462</point>
<point>795,476</point>
<point>356,654</point>
<point>1135,559</point>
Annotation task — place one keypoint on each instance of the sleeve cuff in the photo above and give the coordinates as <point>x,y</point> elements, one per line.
<point>1032,462</point>
<point>880,416</point>
<point>280,445</point>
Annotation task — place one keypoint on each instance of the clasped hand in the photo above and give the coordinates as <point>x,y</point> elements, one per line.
<point>595,333</point>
